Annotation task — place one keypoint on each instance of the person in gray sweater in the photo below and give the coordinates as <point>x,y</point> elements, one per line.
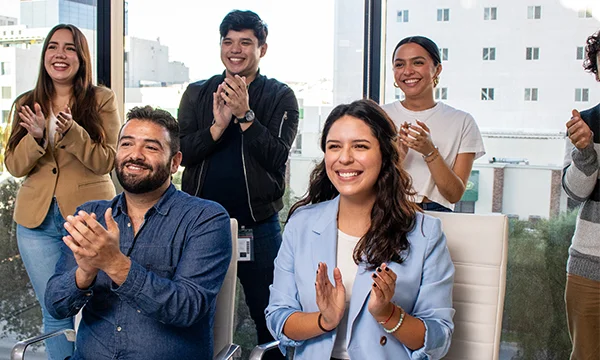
<point>581,182</point>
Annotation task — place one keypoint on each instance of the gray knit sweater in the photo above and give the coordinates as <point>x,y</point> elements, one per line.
<point>581,181</point>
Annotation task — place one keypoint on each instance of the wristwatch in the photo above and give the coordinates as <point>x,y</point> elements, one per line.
<point>248,117</point>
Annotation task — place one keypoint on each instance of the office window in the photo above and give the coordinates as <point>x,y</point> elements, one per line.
<point>443,15</point>
<point>441,93</point>
<point>487,94</point>
<point>4,68</point>
<point>585,13</point>
<point>489,13</point>
<point>582,95</point>
<point>444,54</point>
<point>489,53</point>
<point>532,53</point>
<point>531,94</point>
<point>6,92</point>
<point>580,52</point>
<point>402,16</point>
<point>534,12</point>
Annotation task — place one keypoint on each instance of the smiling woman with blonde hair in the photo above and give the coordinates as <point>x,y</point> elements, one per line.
<point>63,143</point>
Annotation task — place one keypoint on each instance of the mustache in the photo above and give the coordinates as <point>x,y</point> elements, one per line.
<point>137,163</point>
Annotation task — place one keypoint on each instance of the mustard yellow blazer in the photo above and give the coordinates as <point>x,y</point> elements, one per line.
<point>74,170</point>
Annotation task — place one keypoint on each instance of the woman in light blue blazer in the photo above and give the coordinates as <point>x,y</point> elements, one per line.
<point>361,272</point>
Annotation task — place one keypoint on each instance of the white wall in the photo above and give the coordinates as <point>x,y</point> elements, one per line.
<point>527,191</point>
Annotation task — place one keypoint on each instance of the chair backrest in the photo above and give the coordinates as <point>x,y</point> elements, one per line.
<point>478,246</point>
<point>223,326</point>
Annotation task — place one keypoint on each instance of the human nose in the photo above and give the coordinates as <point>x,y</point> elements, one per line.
<point>236,48</point>
<point>346,156</point>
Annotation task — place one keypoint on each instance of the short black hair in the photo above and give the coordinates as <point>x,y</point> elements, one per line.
<point>591,50</point>
<point>426,43</point>
<point>238,20</point>
<point>160,117</point>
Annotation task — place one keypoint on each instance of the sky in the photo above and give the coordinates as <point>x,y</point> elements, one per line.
<point>300,41</point>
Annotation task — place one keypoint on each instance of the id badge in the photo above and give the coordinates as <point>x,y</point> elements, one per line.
<point>245,244</point>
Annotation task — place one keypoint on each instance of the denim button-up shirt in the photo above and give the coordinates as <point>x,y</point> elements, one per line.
<point>165,308</point>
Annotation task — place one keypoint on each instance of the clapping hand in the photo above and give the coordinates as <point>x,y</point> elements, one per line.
<point>382,291</point>
<point>64,120</point>
<point>417,137</point>
<point>33,122</point>
<point>331,300</point>
<point>578,131</point>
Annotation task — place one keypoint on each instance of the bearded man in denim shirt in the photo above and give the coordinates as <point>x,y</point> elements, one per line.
<point>147,265</point>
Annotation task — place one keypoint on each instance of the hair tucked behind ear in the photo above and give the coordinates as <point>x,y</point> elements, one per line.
<point>393,214</point>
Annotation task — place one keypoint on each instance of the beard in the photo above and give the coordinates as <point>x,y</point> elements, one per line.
<point>137,184</point>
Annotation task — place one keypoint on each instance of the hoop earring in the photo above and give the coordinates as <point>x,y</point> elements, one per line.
<point>396,85</point>
<point>436,81</point>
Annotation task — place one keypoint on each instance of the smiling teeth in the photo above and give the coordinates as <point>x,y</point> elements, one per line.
<point>411,81</point>
<point>349,174</point>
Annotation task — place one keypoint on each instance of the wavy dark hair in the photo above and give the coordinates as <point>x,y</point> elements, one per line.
<point>393,213</point>
<point>84,108</point>
<point>238,20</point>
<point>591,50</point>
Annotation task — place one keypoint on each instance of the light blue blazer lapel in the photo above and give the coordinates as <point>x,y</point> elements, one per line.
<point>324,239</point>
<point>360,295</point>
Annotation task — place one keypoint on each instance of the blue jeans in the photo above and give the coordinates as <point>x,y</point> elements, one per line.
<point>40,249</point>
<point>257,275</point>
<point>433,206</point>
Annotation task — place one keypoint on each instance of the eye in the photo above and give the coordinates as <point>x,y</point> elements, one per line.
<point>398,65</point>
<point>71,48</point>
<point>419,62</point>
<point>246,43</point>
<point>52,46</point>
<point>227,42</point>
<point>125,144</point>
<point>151,148</point>
<point>332,146</point>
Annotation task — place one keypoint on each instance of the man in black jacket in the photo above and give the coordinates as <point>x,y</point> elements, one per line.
<point>236,132</point>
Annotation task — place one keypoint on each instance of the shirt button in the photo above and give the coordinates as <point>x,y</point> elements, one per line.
<point>118,328</point>
<point>139,311</point>
<point>128,224</point>
<point>54,171</point>
<point>383,340</point>
<point>88,294</point>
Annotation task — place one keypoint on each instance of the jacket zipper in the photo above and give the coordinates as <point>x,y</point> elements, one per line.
<point>246,180</point>
<point>283,119</point>
<point>199,178</point>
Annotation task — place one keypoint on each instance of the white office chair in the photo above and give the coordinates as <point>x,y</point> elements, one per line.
<point>223,345</point>
<point>478,245</point>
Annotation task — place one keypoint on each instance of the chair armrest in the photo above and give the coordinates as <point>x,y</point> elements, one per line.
<point>229,352</point>
<point>18,351</point>
<point>258,352</point>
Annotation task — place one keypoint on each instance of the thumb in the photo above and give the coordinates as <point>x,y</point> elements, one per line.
<point>111,224</point>
<point>337,276</point>
<point>576,113</point>
<point>67,109</point>
<point>38,109</point>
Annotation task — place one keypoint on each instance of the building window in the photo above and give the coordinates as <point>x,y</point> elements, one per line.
<point>6,92</point>
<point>582,95</point>
<point>398,94</point>
<point>534,12</point>
<point>4,68</point>
<point>4,118</point>
<point>444,54</point>
<point>531,94</point>
<point>489,13</point>
<point>585,13</point>
<point>580,52</point>
<point>402,16</point>
<point>489,53</point>
<point>441,93</point>
<point>487,94</point>
<point>443,14</point>
<point>532,53</point>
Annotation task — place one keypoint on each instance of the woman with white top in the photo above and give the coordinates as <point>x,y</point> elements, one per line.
<point>362,273</point>
<point>441,142</point>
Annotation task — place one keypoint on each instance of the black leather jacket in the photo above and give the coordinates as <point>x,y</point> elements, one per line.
<point>266,144</point>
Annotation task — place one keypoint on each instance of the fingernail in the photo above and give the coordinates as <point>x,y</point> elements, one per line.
<point>374,276</point>
<point>378,269</point>
<point>374,285</point>
<point>387,268</point>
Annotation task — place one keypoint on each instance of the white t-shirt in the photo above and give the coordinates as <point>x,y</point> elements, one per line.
<point>348,268</point>
<point>452,131</point>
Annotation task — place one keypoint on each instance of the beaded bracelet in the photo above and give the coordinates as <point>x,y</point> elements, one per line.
<point>321,326</point>
<point>399,322</point>
<point>388,319</point>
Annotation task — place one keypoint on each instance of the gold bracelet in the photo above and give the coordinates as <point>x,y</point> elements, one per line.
<point>435,156</point>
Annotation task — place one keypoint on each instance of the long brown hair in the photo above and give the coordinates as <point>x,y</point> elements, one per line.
<point>393,213</point>
<point>84,109</point>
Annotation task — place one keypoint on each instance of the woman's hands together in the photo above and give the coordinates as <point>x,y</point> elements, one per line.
<point>383,289</point>
<point>331,299</point>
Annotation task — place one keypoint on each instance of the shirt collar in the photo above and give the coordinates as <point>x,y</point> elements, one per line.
<point>162,206</point>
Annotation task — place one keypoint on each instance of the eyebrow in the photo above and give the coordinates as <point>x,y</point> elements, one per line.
<point>152,141</point>
<point>56,43</point>
<point>241,39</point>
<point>353,141</point>
<point>413,58</point>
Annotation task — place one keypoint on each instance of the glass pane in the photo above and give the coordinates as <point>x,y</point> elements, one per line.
<point>534,321</point>
<point>23,28</point>
<point>319,54</point>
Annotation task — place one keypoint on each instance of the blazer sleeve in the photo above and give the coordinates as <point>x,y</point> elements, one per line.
<point>284,298</point>
<point>97,157</point>
<point>434,302</point>
<point>270,146</point>
<point>23,158</point>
